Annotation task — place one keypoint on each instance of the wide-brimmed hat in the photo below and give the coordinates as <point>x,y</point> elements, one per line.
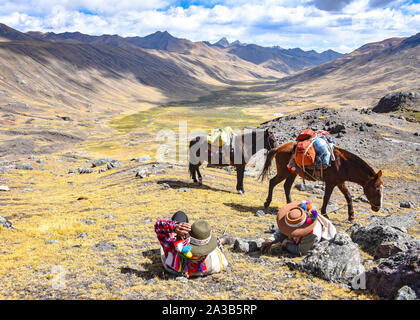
<point>180,216</point>
<point>292,221</point>
<point>202,242</point>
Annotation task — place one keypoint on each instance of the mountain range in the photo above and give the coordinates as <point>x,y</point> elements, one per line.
<point>71,71</point>
<point>276,58</point>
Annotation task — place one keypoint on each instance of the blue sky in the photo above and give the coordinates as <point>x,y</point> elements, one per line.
<point>341,25</point>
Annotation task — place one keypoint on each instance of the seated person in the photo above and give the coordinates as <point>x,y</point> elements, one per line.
<point>299,228</point>
<point>189,250</point>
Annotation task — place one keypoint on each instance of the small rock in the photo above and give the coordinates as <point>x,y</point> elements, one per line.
<point>406,204</point>
<point>300,186</point>
<point>260,213</point>
<point>151,282</point>
<point>146,221</point>
<point>110,217</point>
<point>88,221</point>
<point>113,164</point>
<point>333,206</point>
<point>115,204</point>
<point>4,188</point>
<point>101,162</point>
<point>84,170</point>
<point>71,171</point>
<point>406,293</point>
<point>82,235</point>
<point>6,223</point>
<point>184,190</point>
<point>24,166</point>
<point>362,198</point>
<point>53,241</point>
<point>104,246</point>
<point>273,228</point>
<point>142,159</point>
<point>142,173</point>
<point>181,279</point>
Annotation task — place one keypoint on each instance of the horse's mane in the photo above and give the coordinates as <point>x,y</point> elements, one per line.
<point>363,164</point>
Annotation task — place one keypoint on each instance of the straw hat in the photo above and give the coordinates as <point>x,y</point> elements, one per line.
<point>292,221</point>
<point>202,242</point>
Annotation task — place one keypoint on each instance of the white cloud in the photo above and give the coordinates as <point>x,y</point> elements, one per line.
<point>292,23</point>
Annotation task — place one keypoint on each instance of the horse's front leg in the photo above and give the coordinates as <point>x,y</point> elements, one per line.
<point>200,178</point>
<point>329,187</point>
<point>343,188</point>
<point>240,170</point>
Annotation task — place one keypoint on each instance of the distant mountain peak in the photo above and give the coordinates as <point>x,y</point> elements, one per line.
<point>224,43</point>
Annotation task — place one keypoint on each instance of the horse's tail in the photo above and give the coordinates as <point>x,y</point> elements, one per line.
<point>267,163</point>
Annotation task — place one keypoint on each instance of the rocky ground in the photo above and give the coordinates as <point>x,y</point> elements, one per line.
<point>78,225</point>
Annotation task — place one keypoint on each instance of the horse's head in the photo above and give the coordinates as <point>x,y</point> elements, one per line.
<point>269,140</point>
<point>373,190</point>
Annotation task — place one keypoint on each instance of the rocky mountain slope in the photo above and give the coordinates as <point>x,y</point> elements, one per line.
<point>363,76</point>
<point>73,76</point>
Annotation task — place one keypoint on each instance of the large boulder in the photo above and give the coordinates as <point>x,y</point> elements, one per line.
<point>397,100</point>
<point>337,260</point>
<point>401,269</point>
<point>102,161</point>
<point>385,236</point>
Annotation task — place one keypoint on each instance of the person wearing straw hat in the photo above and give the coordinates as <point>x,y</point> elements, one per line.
<point>299,228</point>
<point>189,250</point>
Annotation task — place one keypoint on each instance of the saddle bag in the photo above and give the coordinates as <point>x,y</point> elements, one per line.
<point>305,153</point>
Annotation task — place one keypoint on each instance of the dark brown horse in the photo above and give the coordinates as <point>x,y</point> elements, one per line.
<point>346,167</point>
<point>242,148</point>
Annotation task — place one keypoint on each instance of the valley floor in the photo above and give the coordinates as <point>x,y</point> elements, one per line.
<point>91,236</point>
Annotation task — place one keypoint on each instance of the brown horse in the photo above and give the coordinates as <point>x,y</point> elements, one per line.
<point>346,167</point>
<point>242,148</point>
